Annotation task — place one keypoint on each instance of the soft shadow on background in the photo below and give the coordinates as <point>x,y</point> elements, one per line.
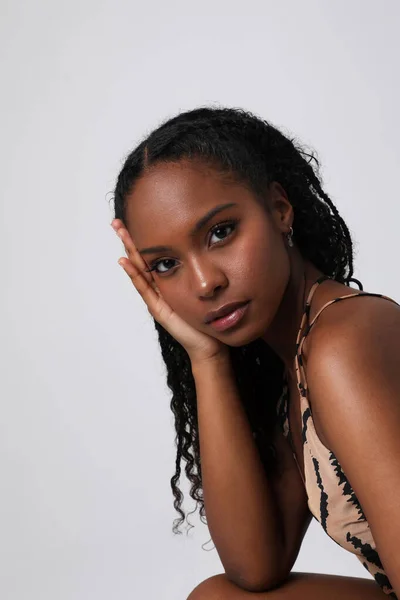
<point>86,436</point>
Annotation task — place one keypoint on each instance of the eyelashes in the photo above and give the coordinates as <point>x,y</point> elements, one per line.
<point>232,223</point>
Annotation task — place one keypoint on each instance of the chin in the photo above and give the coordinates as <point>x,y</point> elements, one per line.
<point>241,338</point>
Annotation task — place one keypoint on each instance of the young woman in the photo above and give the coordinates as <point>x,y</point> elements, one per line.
<point>245,265</point>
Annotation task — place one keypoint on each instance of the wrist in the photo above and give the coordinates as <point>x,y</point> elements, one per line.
<point>219,361</point>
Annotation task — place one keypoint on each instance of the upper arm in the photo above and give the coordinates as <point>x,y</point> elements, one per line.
<point>354,384</point>
<point>292,501</point>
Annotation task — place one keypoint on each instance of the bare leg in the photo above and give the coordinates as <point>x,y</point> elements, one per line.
<point>298,586</point>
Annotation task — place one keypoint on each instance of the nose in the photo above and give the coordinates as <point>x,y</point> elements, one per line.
<point>207,278</point>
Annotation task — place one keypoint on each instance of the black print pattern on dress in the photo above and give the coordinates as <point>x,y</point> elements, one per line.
<point>347,489</point>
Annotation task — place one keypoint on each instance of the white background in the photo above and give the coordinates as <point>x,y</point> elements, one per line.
<point>86,435</point>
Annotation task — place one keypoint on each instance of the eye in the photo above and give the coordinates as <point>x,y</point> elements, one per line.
<point>154,266</point>
<point>222,226</point>
<point>217,228</point>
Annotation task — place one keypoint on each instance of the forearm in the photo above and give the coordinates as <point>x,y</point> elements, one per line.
<point>239,504</point>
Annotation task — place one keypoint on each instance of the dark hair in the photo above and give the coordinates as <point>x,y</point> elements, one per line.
<point>238,143</point>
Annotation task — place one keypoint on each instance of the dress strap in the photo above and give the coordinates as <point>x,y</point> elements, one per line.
<point>338,299</point>
<point>301,337</point>
<point>307,306</point>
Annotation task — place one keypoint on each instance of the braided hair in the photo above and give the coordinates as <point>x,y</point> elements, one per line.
<point>239,144</point>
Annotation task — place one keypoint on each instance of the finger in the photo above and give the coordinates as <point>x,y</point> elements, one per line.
<point>153,300</point>
<point>135,257</point>
<point>116,224</point>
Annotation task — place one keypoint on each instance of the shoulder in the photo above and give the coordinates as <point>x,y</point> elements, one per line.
<point>360,324</point>
<point>353,366</point>
<point>349,339</point>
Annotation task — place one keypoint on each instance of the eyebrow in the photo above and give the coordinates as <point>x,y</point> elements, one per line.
<point>198,226</point>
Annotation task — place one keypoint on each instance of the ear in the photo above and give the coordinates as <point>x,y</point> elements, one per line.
<point>281,210</point>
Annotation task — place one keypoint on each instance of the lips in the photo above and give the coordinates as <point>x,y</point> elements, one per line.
<point>223,311</point>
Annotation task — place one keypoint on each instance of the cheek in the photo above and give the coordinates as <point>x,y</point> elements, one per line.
<point>179,299</point>
<point>263,266</point>
<point>256,256</point>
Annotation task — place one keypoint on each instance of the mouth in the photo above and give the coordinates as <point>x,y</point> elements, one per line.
<point>231,319</point>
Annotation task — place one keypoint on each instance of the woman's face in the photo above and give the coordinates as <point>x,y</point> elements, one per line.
<point>243,259</point>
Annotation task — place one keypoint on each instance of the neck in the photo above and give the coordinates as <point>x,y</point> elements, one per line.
<point>282,333</point>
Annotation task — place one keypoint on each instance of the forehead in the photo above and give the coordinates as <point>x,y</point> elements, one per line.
<point>175,195</point>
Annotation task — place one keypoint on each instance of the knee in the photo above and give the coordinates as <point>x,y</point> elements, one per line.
<point>213,588</point>
<point>219,587</point>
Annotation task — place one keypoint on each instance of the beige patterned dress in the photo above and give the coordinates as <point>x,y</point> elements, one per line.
<point>331,498</point>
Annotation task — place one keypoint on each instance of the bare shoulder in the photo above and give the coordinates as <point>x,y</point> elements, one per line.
<point>349,320</point>
<point>349,340</point>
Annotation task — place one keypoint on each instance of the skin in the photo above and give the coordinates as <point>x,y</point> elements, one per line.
<point>247,261</point>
